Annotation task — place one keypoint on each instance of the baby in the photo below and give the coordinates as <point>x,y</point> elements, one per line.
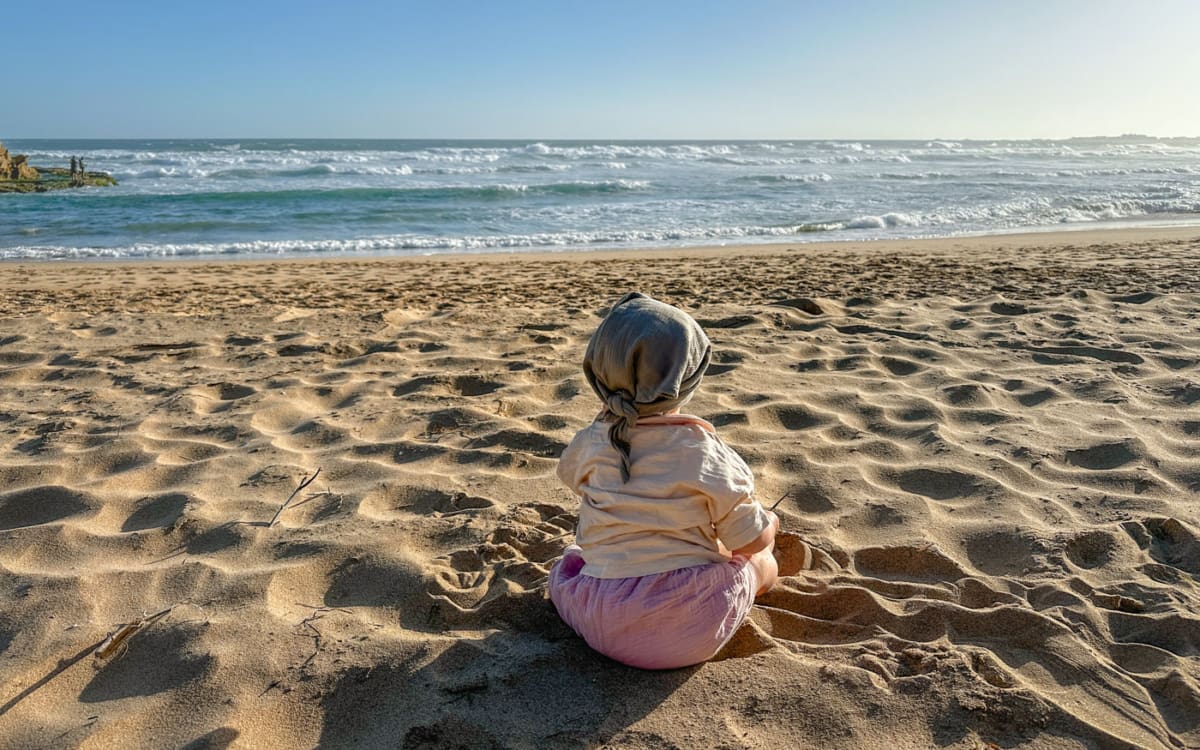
<point>671,546</point>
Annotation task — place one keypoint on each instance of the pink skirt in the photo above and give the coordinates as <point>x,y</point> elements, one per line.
<point>659,621</point>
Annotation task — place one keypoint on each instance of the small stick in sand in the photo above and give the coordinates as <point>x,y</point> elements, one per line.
<point>117,639</point>
<point>323,608</point>
<point>307,480</point>
<point>314,495</point>
<point>316,636</point>
<point>783,497</point>
<point>307,622</point>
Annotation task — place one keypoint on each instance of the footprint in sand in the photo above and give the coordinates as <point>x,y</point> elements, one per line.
<point>502,579</point>
<point>908,563</point>
<point>1008,308</point>
<point>42,505</point>
<point>794,556</point>
<point>387,501</point>
<point>370,580</point>
<point>1103,457</point>
<point>521,441</point>
<point>1092,549</point>
<point>156,512</point>
<point>790,417</point>
<point>900,367</point>
<point>938,484</point>
<point>967,394</point>
<point>1174,543</point>
<point>1007,552</point>
<point>441,385</point>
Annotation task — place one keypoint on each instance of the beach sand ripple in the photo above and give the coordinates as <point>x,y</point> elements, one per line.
<point>994,440</point>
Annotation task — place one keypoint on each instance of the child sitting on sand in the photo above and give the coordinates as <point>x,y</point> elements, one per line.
<point>671,547</point>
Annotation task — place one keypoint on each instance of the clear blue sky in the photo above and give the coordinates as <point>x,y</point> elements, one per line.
<point>696,69</point>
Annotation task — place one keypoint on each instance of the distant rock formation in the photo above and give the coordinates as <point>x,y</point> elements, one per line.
<point>15,166</point>
<point>17,175</point>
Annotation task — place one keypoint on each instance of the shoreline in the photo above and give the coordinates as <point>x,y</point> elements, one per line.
<point>1030,266</point>
<point>274,199</point>
<point>1006,240</point>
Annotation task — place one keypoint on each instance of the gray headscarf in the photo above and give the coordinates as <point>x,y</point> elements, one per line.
<point>645,358</point>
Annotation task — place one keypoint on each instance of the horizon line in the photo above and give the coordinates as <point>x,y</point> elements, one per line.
<point>614,140</point>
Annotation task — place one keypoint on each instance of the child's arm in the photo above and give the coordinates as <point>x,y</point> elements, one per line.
<point>763,540</point>
<point>740,522</point>
<point>748,525</point>
<point>568,469</point>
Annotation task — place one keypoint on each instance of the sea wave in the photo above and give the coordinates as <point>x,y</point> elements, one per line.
<point>221,172</point>
<point>416,244</point>
<point>975,175</point>
<point>776,178</point>
<point>886,221</point>
<point>440,195</point>
<point>425,192</point>
<point>875,226</point>
<point>1041,211</point>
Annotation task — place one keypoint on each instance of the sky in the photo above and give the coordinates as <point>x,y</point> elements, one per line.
<point>600,70</point>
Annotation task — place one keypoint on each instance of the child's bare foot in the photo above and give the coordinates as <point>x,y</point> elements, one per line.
<point>794,555</point>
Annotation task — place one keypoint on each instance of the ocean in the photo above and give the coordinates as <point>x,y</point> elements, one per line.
<point>271,198</point>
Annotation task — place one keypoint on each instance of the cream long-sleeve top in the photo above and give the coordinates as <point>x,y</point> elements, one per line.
<point>686,490</point>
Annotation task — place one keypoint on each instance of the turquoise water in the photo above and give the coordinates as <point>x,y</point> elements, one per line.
<point>351,197</point>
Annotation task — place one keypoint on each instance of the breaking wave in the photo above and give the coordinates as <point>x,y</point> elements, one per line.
<point>270,197</point>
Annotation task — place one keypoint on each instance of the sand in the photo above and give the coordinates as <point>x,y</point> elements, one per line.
<point>997,438</point>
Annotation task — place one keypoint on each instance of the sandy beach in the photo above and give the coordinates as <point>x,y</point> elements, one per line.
<point>998,438</point>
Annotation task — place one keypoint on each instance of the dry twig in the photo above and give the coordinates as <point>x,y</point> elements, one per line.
<point>307,480</point>
<point>316,636</point>
<point>117,639</point>
<point>307,622</point>
<point>314,495</point>
<point>782,497</point>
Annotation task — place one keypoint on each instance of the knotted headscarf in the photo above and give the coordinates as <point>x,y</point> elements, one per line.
<point>645,358</point>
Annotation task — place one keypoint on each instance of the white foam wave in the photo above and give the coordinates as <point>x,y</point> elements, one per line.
<point>1016,214</point>
<point>412,244</point>
<point>621,151</point>
<point>932,187</point>
<point>818,177</point>
<point>873,156</point>
<point>886,221</point>
<point>249,170</point>
<point>814,177</point>
<point>1045,211</point>
<point>401,170</point>
<point>916,175</point>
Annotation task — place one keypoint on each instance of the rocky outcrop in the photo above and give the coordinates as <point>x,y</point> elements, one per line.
<point>17,175</point>
<point>15,166</point>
